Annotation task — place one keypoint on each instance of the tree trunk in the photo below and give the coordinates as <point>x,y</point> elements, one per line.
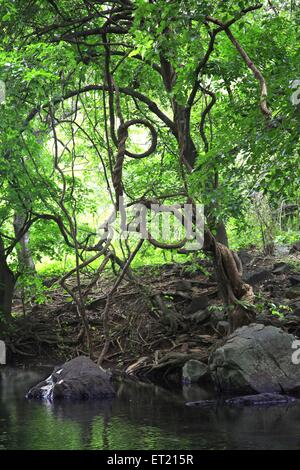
<point>221,234</point>
<point>24,254</point>
<point>217,227</point>
<point>7,286</point>
<point>188,151</point>
<point>237,295</point>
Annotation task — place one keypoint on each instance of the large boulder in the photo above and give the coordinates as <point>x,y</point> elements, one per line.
<point>256,358</point>
<point>78,379</point>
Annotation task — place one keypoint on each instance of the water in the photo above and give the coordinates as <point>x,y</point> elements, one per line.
<point>142,416</point>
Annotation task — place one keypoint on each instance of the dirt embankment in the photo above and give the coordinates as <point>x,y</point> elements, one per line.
<point>158,320</point>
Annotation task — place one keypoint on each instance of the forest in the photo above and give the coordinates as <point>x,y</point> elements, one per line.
<point>149,197</point>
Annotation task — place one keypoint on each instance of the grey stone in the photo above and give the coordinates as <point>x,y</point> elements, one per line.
<point>183,285</point>
<point>198,303</point>
<point>295,247</point>
<point>217,316</point>
<point>201,316</point>
<point>295,304</point>
<point>292,317</point>
<point>281,250</point>
<point>281,268</point>
<point>78,379</point>
<point>261,399</point>
<point>293,292</point>
<point>258,276</point>
<point>193,371</point>
<point>257,400</point>
<point>255,358</point>
<point>203,403</point>
<point>294,279</point>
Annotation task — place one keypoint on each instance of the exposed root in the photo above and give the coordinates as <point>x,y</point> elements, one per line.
<point>238,296</point>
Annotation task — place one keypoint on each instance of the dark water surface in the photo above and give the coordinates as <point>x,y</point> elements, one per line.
<point>141,417</point>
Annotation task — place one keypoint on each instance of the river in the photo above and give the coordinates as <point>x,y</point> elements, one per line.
<point>142,416</point>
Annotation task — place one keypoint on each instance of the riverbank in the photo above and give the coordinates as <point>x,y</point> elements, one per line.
<point>159,318</point>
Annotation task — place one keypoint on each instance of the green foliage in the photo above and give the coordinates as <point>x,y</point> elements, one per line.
<point>32,288</point>
<point>48,53</point>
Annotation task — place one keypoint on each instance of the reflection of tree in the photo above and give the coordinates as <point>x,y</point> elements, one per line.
<point>83,414</point>
<point>5,415</point>
<point>139,419</point>
<point>105,433</point>
<point>13,410</point>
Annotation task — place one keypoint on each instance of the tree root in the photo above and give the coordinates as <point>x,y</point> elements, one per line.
<point>237,295</point>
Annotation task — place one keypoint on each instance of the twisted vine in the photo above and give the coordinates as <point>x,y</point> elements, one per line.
<point>122,152</point>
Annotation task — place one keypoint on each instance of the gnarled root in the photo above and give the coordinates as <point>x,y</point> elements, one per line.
<point>242,313</point>
<point>237,295</point>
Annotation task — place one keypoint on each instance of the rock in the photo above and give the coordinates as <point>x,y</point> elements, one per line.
<point>258,276</point>
<point>291,317</point>
<point>183,285</point>
<point>294,279</point>
<point>223,327</point>
<point>281,250</point>
<point>2,353</point>
<point>201,316</point>
<point>255,358</point>
<point>198,303</point>
<point>193,371</point>
<point>281,268</point>
<point>295,304</point>
<point>78,379</point>
<point>203,403</point>
<point>295,247</point>
<point>260,400</point>
<point>293,292</point>
<point>217,316</point>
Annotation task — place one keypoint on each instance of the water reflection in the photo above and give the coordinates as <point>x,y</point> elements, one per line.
<point>143,416</point>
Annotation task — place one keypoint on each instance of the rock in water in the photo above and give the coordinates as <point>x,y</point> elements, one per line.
<point>261,399</point>
<point>78,379</point>
<point>256,358</point>
<point>258,400</point>
<point>193,371</point>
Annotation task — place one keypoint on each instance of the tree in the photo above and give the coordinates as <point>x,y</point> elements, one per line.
<point>84,73</point>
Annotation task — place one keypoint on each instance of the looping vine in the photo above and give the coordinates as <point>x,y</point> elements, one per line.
<point>153,133</point>
<point>122,152</point>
